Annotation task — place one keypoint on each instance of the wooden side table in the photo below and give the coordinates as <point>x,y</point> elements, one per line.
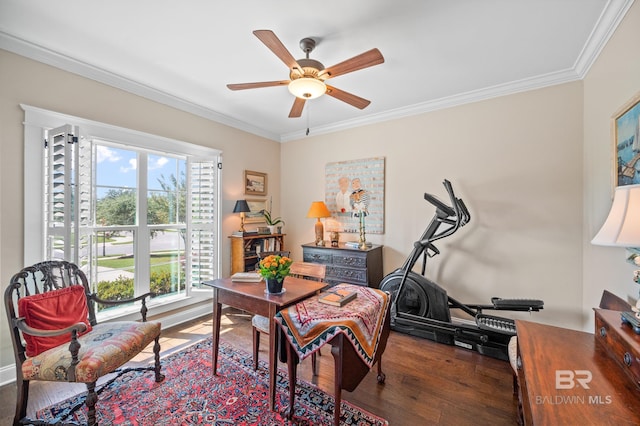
<point>311,325</point>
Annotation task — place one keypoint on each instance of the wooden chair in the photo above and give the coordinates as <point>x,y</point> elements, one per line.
<point>56,337</point>
<point>306,270</point>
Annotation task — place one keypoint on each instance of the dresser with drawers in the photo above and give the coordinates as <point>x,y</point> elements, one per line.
<point>346,264</point>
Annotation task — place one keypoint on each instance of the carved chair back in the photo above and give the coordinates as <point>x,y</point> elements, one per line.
<point>51,313</point>
<point>38,279</point>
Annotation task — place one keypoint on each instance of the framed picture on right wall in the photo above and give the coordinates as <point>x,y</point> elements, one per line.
<point>625,129</point>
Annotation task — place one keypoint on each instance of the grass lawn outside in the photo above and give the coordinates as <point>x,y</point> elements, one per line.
<point>158,262</point>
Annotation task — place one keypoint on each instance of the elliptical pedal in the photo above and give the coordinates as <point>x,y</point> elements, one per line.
<point>497,324</point>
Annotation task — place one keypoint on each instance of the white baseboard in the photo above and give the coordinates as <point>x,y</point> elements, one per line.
<point>186,315</point>
<point>8,372</point>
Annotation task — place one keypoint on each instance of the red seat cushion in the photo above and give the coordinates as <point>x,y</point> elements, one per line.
<point>53,310</point>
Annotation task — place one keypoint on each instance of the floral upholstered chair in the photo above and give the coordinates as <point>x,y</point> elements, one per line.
<point>56,336</point>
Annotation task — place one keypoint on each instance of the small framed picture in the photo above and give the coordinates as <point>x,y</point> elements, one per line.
<point>255,215</point>
<point>625,129</point>
<point>255,183</point>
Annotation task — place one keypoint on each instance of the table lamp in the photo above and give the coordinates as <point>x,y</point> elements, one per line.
<point>241,207</point>
<point>318,209</point>
<point>622,229</point>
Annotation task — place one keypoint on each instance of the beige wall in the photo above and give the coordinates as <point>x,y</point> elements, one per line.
<point>27,82</point>
<point>611,82</point>
<point>517,163</point>
<point>533,168</point>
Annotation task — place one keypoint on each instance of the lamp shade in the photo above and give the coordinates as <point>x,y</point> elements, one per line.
<point>318,209</point>
<point>241,207</point>
<point>307,88</point>
<point>622,227</point>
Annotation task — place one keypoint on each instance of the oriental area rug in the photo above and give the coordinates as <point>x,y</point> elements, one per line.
<point>192,395</point>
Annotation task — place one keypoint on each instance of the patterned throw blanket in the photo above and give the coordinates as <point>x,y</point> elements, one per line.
<point>310,324</point>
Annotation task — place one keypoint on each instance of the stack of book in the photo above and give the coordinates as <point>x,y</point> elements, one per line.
<point>338,297</point>
<point>355,244</point>
<point>246,277</point>
<point>242,234</point>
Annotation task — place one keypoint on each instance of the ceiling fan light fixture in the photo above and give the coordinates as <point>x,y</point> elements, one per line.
<point>307,88</point>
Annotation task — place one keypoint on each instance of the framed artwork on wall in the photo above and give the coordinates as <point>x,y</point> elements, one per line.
<point>255,215</point>
<point>625,129</point>
<point>255,183</point>
<point>352,187</point>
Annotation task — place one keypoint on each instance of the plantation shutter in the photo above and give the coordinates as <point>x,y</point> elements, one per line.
<point>67,182</point>
<point>202,203</point>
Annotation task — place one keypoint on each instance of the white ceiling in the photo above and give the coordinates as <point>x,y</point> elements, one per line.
<point>437,53</point>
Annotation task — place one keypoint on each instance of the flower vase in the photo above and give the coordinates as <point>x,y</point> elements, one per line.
<point>274,285</point>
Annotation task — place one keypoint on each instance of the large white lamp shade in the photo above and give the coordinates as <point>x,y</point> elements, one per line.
<point>622,227</point>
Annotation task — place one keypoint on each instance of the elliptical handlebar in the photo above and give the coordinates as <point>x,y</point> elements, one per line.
<point>466,216</point>
<point>445,212</point>
<point>448,211</point>
<point>444,215</point>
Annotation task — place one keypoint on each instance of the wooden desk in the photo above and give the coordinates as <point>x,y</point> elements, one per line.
<point>251,297</point>
<point>543,350</point>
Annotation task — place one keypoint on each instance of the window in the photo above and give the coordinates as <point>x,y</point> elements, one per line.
<point>137,212</point>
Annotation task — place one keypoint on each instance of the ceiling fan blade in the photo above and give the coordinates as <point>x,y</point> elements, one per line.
<point>272,41</point>
<point>367,59</point>
<point>347,97</point>
<point>296,109</point>
<point>243,86</point>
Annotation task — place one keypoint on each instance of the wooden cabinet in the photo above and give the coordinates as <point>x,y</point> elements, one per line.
<point>245,249</point>
<point>347,265</point>
<point>620,341</point>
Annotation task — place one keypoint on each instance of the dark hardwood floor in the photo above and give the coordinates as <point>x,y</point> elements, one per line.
<point>427,383</point>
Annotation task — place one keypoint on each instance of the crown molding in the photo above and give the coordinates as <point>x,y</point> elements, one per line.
<point>47,56</point>
<point>442,103</point>
<point>612,14</point>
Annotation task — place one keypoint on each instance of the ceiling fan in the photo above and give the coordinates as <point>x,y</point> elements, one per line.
<point>307,76</point>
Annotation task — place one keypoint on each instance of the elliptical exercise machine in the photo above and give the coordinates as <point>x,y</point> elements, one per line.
<point>421,307</point>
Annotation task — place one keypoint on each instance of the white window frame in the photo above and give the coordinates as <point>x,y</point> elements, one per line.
<point>37,122</point>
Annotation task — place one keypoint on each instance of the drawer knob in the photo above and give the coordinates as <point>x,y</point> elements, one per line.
<point>603,331</point>
<point>627,359</point>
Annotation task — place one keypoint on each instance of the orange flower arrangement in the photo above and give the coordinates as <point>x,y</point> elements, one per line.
<point>275,266</point>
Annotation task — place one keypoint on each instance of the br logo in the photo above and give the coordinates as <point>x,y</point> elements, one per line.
<point>569,379</point>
